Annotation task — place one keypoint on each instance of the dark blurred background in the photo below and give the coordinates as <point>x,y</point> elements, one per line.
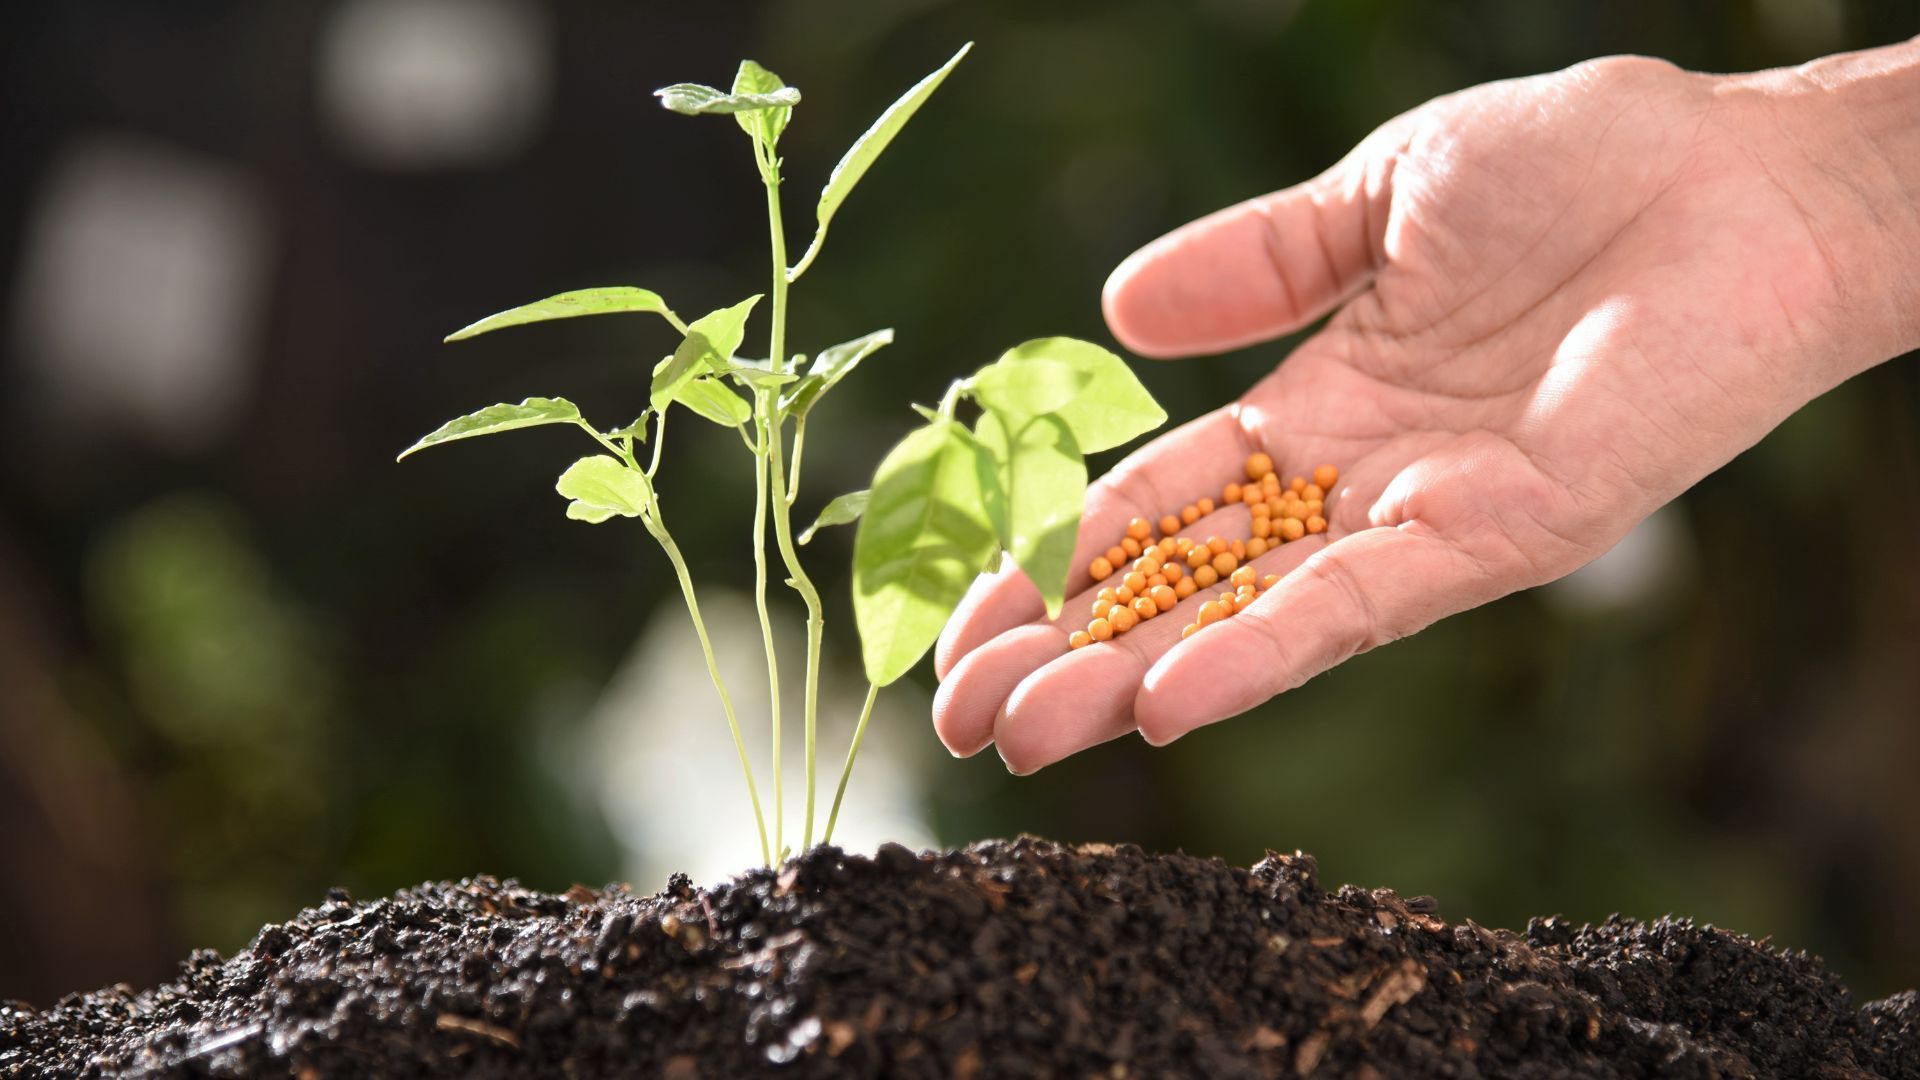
<point>244,656</point>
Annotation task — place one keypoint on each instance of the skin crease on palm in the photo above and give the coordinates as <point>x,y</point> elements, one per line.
<point>1557,303</point>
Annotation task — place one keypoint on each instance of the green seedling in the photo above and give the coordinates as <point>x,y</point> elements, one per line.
<point>945,503</point>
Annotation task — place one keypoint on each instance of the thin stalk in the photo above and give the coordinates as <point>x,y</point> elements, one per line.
<point>713,669</point>
<point>853,751</point>
<point>776,451</point>
<point>658,527</point>
<point>659,440</point>
<point>816,621</point>
<point>760,492</point>
<point>799,447</point>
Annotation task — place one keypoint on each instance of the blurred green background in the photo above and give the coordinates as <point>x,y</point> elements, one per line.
<point>244,656</point>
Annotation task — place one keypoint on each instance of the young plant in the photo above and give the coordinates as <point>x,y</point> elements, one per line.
<point>945,503</point>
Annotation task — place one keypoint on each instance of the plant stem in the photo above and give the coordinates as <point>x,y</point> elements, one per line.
<point>760,493</point>
<point>799,447</point>
<point>853,751</point>
<point>816,622</point>
<point>656,525</point>
<point>713,670</point>
<point>776,451</point>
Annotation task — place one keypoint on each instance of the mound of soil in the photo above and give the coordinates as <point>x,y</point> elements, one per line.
<point>1006,959</point>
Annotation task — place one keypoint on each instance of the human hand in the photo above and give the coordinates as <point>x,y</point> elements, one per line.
<point>1561,301</point>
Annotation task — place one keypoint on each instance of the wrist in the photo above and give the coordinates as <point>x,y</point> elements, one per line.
<point>1856,119</point>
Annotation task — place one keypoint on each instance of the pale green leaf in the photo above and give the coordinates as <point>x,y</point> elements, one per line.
<point>834,363</point>
<point>868,147</point>
<point>496,418</point>
<point>844,510</point>
<point>710,342</point>
<point>1028,386</point>
<point>757,373</point>
<point>711,399</point>
<point>608,301</point>
<point>637,431</point>
<point>602,483</point>
<point>1110,409</point>
<point>764,125</point>
<point>923,539</point>
<point>1045,481</point>
<point>693,99</point>
<point>592,515</point>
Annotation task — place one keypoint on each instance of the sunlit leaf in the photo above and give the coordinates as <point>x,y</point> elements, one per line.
<point>756,373</point>
<point>608,301</point>
<point>711,399</point>
<point>532,412</point>
<point>602,486</point>
<point>592,515</point>
<point>1045,481</point>
<point>844,510</point>
<point>1108,410</point>
<point>710,342</point>
<point>693,99</point>
<point>1028,387</point>
<point>923,539</point>
<point>763,124</point>
<point>834,363</point>
<point>637,431</point>
<point>868,147</point>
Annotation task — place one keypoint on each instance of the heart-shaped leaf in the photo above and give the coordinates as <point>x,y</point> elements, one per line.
<point>602,487</point>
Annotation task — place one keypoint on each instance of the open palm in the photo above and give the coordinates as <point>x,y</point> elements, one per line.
<point>1561,301</point>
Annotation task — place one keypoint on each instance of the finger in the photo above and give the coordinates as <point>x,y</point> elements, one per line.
<point>1088,696</point>
<point>1198,458</point>
<point>965,705</point>
<point>1361,591</point>
<point>1256,270</point>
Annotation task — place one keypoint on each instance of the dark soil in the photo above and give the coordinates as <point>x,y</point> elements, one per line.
<point>1006,959</point>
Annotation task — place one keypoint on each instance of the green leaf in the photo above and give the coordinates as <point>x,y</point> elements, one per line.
<point>710,342</point>
<point>495,418</point>
<point>711,399</point>
<point>834,363</point>
<point>592,515</point>
<point>1108,410</point>
<point>1045,480</point>
<point>867,148</point>
<point>841,511</point>
<point>637,431</point>
<point>602,487</point>
<point>1028,387</point>
<point>923,539</point>
<point>758,374</point>
<point>608,301</point>
<point>765,125</point>
<point>693,99</point>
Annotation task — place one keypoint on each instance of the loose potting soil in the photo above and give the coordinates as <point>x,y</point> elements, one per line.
<point>1005,959</point>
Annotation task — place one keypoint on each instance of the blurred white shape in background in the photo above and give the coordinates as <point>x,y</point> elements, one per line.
<point>140,291</point>
<point>435,84</point>
<point>1642,574</point>
<point>657,749</point>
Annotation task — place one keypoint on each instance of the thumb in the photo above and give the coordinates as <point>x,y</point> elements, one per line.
<point>1258,269</point>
